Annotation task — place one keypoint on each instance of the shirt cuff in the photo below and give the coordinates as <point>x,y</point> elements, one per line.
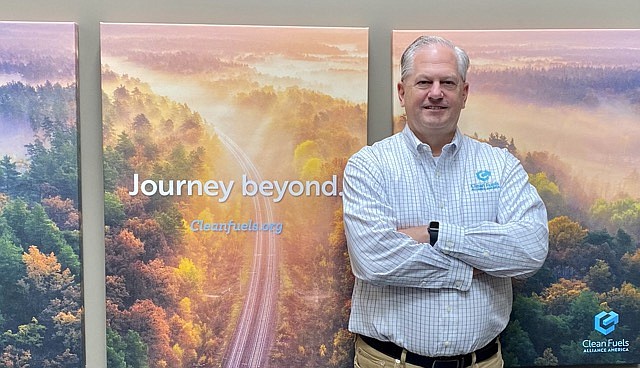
<point>450,240</point>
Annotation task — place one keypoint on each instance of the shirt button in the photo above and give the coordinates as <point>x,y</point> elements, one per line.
<point>446,344</point>
<point>458,283</point>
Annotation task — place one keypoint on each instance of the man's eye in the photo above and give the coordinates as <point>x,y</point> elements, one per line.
<point>449,84</point>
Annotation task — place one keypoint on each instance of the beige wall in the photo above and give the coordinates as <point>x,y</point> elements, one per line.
<point>380,16</point>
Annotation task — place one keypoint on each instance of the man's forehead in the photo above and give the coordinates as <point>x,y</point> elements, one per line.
<point>435,70</point>
<point>434,74</point>
<point>435,61</point>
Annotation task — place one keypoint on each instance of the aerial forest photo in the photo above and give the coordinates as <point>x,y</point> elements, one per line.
<point>567,104</point>
<point>41,307</point>
<point>224,148</point>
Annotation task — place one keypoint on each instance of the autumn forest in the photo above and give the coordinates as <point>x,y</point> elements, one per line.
<point>183,298</point>
<point>216,103</point>
<point>41,306</point>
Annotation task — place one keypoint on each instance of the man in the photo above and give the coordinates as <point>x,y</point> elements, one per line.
<point>437,224</point>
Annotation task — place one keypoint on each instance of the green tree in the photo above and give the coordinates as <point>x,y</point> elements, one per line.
<point>141,125</point>
<point>518,350</point>
<point>33,227</point>
<point>621,214</point>
<point>113,164</point>
<point>625,301</point>
<point>113,210</point>
<point>550,194</point>
<point>170,221</point>
<point>54,103</point>
<point>116,350</point>
<point>12,270</point>
<point>599,277</point>
<point>44,234</point>
<point>623,243</point>
<point>534,318</point>
<point>29,336</point>
<point>117,169</point>
<point>15,214</point>
<point>583,308</point>
<point>53,168</point>
<point>127,351</point>
<point>136,353</point>
<point>598,237</point>
<point>9,177</point>
<point>17,100</point>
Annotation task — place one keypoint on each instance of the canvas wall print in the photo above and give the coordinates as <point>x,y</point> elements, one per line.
<point>567,104</point>
<point>224,148</point>
<point>40,256</point>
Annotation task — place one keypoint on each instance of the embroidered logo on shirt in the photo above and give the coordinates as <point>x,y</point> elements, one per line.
<point>484,176</point>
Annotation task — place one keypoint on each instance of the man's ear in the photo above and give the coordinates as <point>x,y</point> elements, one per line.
<point>465,94</point>
<point>401,93</point>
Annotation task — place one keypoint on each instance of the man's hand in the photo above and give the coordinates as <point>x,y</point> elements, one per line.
<point>418,233</point>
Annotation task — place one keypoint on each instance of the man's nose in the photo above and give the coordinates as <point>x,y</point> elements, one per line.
<point>435,91</point>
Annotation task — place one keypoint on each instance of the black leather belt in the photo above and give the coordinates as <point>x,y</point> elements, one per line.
<point>457,361</point>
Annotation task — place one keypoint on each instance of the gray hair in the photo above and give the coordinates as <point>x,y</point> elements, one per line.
<point>409,54</point>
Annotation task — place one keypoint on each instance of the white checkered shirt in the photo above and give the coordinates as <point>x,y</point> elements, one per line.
<point>425,298</point>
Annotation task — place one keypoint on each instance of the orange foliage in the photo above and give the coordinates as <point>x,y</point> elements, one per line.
<point>150,321</point>
<point>560,294</point>
<point>133,205</point>
<point>45,272</point>
<point>121,251</point>
<point>62,212</point>
<point>565,233</point>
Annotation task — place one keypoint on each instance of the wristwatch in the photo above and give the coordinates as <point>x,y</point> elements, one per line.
<point>434,228</point>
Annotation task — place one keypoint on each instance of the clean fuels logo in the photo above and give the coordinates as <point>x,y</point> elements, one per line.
<point>605,323</point>
<point>484,183</point>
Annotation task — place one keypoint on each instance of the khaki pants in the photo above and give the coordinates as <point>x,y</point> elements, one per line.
<point>368,357</point>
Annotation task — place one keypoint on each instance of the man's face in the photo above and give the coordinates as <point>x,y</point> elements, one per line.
<point>433,94</point>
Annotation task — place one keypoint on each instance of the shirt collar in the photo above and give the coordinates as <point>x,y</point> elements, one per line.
<point>414,143</point>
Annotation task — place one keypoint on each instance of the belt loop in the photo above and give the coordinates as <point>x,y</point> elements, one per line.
<point>473,360</point>
<point>403,358</point>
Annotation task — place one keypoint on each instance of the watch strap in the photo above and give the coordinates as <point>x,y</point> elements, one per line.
<point>434,229</point>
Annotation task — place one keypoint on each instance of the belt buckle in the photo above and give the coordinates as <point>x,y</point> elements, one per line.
<point>448,363</point>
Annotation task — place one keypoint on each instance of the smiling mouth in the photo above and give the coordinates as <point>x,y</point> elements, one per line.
<point>435,107</point>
